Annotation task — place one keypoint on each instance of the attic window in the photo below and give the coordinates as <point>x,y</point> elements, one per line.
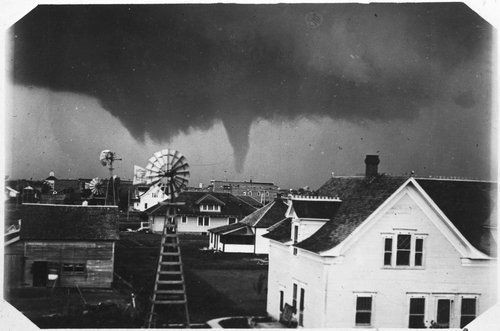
<point>403,250</point>
<point>210,208</point>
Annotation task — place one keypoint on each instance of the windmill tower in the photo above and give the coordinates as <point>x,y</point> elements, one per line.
<point>107,158</point>
<point>168,170</point>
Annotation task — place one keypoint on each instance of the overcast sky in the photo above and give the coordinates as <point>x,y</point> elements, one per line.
<point>281,93</point>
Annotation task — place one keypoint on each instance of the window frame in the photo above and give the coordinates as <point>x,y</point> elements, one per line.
<point>476,304</point>
<point>363,311</point>
<point>412,251</point>
<point>203,219</point>
<point>425,313</point>
<point>80,271</point>
<point>295,288</point>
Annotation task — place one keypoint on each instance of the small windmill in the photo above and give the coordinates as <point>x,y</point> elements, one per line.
<point>107,158</point>
<point>169,170</point>
<point>96,186</point>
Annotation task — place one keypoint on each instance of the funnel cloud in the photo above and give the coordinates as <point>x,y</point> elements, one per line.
<point>163,70</point>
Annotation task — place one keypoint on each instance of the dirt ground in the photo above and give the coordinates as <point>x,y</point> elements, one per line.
<point>217,284</point>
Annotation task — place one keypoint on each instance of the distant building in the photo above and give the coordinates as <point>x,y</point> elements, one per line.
<point>148,197</point>
<point>246,236</point>
<point>262,192</point>
<point>386,252</point>
<point>67,245</point>
<point>201,212</point>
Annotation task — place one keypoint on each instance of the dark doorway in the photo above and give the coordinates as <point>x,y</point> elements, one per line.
<point>443,313</point>
<point>39,273</point>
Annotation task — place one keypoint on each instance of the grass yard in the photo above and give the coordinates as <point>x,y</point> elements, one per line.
<point>217,284</point>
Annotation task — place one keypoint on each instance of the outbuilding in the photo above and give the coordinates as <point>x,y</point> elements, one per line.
<point>68,245</point>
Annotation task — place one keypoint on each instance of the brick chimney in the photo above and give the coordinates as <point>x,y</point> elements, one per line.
<point>371,162</point>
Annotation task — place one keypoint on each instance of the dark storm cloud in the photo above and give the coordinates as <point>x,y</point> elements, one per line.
<point>165,69</point>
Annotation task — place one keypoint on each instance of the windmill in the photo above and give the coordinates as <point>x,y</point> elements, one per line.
<point>169,170</point>
<point>96,186</point>
<point>107,158</point>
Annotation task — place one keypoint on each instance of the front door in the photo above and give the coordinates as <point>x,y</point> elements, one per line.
<point>443,313</point>
<point>40,272</point>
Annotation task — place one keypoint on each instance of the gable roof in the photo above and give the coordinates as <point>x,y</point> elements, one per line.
<point>209,198</point>
<point>281,231</point>
<point>232,205</point>
<point>251,201</point>
<point>470,206</point>
<point>315,208</point>
<point>68,222</point>
<point>268,215</point>
<point>360,197</point>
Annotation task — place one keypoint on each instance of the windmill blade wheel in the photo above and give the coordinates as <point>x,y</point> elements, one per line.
<point>169,170</point>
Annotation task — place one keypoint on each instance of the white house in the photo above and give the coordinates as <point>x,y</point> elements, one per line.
<point>396,253</point>
<point>150,198</point>
<point>201,211</point>
<point>246,236</point>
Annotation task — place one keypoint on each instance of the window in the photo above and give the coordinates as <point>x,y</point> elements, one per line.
<point>403,250</point>
<point>73,268</point>
<point>282,300</point>
<point>145,206</point>
<point>295,238</point>
<point>388,251</point>
<point>419,251</point>
<point>468,311</point>
<point>210,208</point>
<point>203,221</point>
<point>184,219</point>
<point>443,313</point>
<point>301,307</point>
<point>417,313</point>
<point>231,220</point>
<point>363,310</point>
<point>294,298</point>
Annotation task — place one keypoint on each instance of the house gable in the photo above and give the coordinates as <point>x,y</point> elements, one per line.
<point>209,199</point>
<point>400,209</point>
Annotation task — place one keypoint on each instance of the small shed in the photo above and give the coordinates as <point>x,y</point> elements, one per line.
<point>68,245</point>
<point>246,236</point>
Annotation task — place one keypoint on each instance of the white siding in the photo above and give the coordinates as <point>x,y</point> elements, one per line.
<point>190,226</point>
<point>361,269</point>
<point>261,244</point>
<point>234,248</point>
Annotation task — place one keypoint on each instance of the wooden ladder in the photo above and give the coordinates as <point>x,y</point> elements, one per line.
<point>169,287</point>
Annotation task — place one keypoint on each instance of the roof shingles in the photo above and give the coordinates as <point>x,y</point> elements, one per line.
<point>66,222</point>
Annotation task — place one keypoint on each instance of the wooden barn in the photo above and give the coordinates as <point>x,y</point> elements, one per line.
<point>68,245</point>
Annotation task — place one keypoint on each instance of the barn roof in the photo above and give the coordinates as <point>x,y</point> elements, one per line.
<point>268,215</point>
<point>232,206</point>
<point>68,222</point>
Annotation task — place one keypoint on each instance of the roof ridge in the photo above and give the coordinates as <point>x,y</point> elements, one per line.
<point>269,205</point>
